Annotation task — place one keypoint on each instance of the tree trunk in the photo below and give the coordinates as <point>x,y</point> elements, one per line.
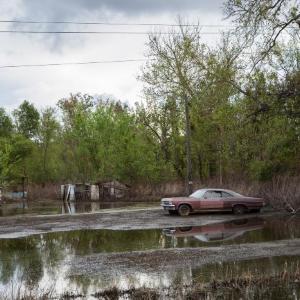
<point>189,180</point>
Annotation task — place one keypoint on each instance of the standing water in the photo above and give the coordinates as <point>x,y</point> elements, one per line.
<point>50,261</point>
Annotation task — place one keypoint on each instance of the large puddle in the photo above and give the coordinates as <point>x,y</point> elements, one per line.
<point>54,207</point>
<point>43,261</point>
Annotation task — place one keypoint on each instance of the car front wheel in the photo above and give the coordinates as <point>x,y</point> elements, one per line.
<point>184,210</point>
<point>239,209</point>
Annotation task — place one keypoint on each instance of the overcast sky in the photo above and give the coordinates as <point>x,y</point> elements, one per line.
<point>45,86</point>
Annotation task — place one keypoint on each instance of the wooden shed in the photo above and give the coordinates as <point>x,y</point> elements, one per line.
<point>113,190</point>
<point>108,190</point>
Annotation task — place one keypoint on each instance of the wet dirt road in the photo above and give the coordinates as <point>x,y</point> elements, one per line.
<point>19,226</point>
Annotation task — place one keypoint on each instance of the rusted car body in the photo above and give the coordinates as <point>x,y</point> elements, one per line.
<point>217,232</point>
<point>207,200</point>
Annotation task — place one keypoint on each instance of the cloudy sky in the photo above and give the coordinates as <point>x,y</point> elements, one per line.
<point>45,86</point>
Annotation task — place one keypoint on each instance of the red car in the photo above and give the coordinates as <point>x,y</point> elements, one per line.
<point>212,200</point>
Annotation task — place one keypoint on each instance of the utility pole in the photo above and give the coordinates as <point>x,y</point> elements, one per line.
<point>189,179</point>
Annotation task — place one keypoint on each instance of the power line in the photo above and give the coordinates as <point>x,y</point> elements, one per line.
<point>74,63</point>
<point>97,32</point>
<point>90,62</point>
<point>112,24</point>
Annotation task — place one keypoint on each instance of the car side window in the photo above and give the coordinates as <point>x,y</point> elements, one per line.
<point>226,195</point>
<point>212,195</point>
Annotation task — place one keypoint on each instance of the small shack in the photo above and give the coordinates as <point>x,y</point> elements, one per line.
<point>16,192</point>
<point>108,190</point>
<point>113,190</point>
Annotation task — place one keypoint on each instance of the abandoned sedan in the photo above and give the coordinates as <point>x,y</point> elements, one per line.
<point>212,200</point>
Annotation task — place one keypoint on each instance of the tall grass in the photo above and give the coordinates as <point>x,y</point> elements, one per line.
<point>281,192</point>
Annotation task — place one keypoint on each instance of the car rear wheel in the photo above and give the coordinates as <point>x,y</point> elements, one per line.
<point>239,209</point>
<point>184,210</point>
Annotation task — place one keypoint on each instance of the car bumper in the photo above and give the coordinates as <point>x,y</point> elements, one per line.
<point>169,232</point>
<point>168,207</point>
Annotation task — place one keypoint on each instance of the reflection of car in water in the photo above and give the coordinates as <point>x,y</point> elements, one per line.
<point>217,232</point>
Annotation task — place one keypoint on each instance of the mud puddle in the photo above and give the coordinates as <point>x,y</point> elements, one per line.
<point>88,261</point>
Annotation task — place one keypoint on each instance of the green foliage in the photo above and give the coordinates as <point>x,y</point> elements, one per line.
<point>27,119</point>
<point>14,154</point>
<point>47,135</point>
<point>6,126</point>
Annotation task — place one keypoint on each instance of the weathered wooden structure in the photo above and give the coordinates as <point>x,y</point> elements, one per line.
<point>111,190</point>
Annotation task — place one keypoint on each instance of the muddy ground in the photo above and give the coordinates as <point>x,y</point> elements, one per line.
<point>19,226</point>
<point>159,261</point>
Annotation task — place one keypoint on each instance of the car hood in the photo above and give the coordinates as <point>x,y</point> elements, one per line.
<point>178,199</point>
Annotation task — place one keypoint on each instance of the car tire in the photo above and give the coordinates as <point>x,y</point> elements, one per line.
<point>239,209</point>
<point>257,210</point>
<point>184,210</point>
<point>172,212</point>
<point>185,229</point>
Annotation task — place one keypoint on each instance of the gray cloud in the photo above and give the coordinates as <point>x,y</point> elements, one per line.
<point>44,86</point>
<point>70,8</point>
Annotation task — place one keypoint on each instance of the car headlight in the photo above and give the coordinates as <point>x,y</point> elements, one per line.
<point>166,202</point>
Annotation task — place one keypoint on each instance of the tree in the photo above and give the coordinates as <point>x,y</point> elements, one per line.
<point>75,152</point>
<point>15,153</point>
<point>163,123</point>
<point>27,119</point>
<point>6,126</point>
<point>47,133</point>
<point>264,22</point>
<point>174,74</point>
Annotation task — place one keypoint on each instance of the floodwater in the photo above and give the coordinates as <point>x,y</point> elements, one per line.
<point>42,262</point>
<point>54,207</point>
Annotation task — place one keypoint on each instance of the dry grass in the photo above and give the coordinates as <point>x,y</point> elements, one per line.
<point>233,285</point>
<point>133,294</point>
<point>280,192</point>
<point>260,284</point>
<point>48,191</point>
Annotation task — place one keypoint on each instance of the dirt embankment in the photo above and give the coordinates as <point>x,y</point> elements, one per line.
<point>11,227</point>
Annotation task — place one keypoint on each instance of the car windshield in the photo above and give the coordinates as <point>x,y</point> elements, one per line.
<point>198,194</point>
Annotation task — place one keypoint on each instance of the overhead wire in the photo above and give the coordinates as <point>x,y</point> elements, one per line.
<point>73,63</point>
<point>112,23</point>
<point>86,62</point>
<point>96,32</point>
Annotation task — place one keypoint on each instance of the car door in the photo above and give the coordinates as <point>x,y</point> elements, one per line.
<point>212,200</point>
<point>228,199</point>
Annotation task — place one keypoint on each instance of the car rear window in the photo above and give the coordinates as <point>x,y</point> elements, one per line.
<point>226,195</point>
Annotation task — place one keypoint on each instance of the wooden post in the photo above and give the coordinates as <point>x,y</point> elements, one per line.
<point>23,184</point>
